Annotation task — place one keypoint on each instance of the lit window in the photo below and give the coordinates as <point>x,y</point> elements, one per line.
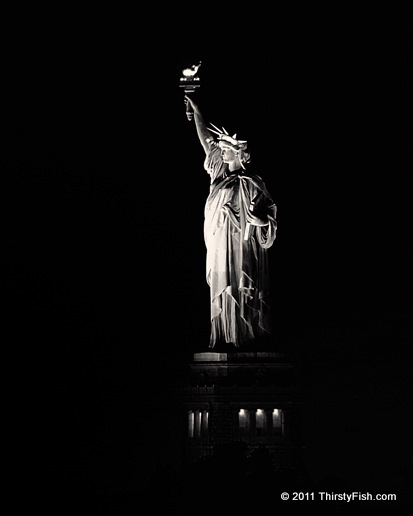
<point>243,418</point>
<point>198,421</point>
<point>204,422</point>
<point>191,421</point>
<point>259,421</point>
<point>277,421</point>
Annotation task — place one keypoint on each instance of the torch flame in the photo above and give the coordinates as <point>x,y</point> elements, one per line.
<point>190,72</point>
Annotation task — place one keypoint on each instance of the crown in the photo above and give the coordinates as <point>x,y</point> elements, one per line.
<point>223,135</point>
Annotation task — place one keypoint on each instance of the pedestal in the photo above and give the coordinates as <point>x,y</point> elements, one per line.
<point>252,400</point>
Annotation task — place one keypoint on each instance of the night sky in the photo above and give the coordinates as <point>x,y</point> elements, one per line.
<point>104,274</point>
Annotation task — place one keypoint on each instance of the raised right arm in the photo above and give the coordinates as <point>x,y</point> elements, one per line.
<point>203,133</point>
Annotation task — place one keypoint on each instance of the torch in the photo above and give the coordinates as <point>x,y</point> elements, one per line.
<point>190,81</point>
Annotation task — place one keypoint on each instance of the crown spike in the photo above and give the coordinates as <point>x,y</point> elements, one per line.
<point>224,136</point>
<point>216,132</point>
<point>220,132</point>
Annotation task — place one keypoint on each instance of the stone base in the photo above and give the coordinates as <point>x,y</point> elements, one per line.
<point>222,385</point>
<point>243,367</point>
<point>239,356</point>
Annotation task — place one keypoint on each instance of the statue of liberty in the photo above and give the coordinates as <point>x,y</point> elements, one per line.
<point>239,228</point>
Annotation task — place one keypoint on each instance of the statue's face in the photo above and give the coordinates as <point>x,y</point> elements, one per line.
<point>228,152</point>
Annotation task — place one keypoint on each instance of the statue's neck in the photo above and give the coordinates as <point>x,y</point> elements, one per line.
<point>234,165</point>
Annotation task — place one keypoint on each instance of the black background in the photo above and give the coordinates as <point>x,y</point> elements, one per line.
<point>104,273</point>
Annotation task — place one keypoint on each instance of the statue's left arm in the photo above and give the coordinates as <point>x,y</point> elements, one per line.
<point>262,213</point>
<point>267,233</point>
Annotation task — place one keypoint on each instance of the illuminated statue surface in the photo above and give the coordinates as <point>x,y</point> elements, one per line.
<point>239,228</point>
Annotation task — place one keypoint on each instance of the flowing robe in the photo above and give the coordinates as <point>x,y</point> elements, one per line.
<point>237,262</point>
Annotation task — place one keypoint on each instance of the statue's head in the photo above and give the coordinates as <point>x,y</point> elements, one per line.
<point>232,147</point>
<point>230,152</point>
